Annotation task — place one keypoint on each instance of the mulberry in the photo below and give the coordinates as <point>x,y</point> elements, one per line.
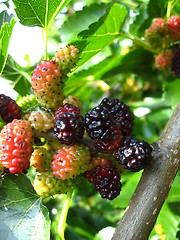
<point>16,139</point>
<point>70,161</point>
<point>105,178</point>
<point>69,124</point>
<point>9,109</point>
<point>134,155</point>
<point>47,84</point>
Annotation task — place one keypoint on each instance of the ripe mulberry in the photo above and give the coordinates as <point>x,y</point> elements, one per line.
<point>111,119</point>
<point>16,139</point>
<point>134,155</point>
<point>69,124</point>
<point>176,63</point>
<point>9,109</point>
<point>121,114</point>
<point>105,178</point>
<point>108,145</point>
<point>70,161</point>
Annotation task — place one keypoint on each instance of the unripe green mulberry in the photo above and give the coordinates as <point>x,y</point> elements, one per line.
<point>27,101</point>
<point>41,119</point>
<point>45,184</point>
<point>67,57</point>
<point>41,160</point>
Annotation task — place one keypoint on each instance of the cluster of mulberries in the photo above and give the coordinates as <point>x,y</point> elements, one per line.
<point>60,161</point>
<point>164,36</point>
<point>44,110</point>
<point>110,125</point>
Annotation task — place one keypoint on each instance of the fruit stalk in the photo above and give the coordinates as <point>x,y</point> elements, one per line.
<point>63,215</point>
<point>153,188</point>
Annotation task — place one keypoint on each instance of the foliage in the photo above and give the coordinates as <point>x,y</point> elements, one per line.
<point>115,61</point>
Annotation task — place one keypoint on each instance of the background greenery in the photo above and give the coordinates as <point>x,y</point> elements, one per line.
<point>115,62</point>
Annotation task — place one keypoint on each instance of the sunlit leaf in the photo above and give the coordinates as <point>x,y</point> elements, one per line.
<point>83,19</point>
<point>101,33</point>
<point>5,35</point>
<point>22,215</point>
<point>5,17</point>
<point>168,219</point>
<point>171,95</point>
<point>17,77</point>
<point>38,12</point>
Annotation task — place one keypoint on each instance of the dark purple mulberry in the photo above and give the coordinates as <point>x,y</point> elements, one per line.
<point>109,120</point>
<point>9,109</point>
<point>176,63</point>
<point>105,178</point>
<point>69,124</point>
<point>134,155</point>
<point>121,113</point>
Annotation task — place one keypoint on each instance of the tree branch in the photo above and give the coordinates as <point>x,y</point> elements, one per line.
<point>154,185</point>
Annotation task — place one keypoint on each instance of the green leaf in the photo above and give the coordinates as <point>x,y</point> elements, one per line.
<point>5,2</point>
<point>169,218</point>
<point>18,77</point>
<point>83,19</point>
<point>171,95</point>
<point>38,12</point>
<point>129,184</point>
<point>101,33</point>
<point>22,215</point>
<point>133,62</point>
<point>174,194</point>
<point>5,35</point>
<point>157,9</point>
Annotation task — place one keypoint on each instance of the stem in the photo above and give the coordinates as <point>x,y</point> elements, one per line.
<point>171,5</point>
<point>46,41</point>
<point>139,42</point>
<point>64,212</point>
<point>169,9</point>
